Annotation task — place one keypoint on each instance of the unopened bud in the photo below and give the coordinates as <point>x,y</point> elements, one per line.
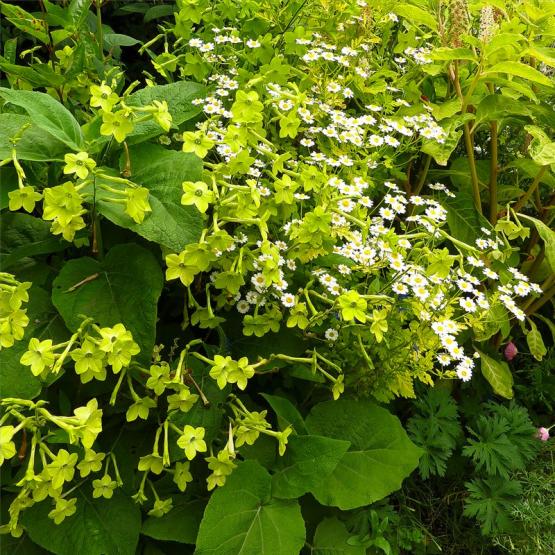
<point>510,351</point>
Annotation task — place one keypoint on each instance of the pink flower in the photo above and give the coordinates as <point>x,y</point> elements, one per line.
<point>543,434</point>
<point>510,351</point>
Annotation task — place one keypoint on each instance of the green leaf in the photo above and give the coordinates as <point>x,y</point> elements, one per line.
<point>22,235</point>
<point>445,53</point>
<point>548,236</point>
<point>35,144</point>
<point>179,97</point>
<point>441,152</point>
<point>307,462</point>
<point>20,546</point>
<point>116,39</point>
<point>22,20</point>
<point>287,413</point>
<point>535,342</point>
<point>242,518</point>
<point>381,455</point>
<point>48,114</point>
<point>179,525</point>
<point>497,106</point>
<point>124,287</point>
<point>463,219</point>
<point>542,148</point>
<point>518,69</point>
<point>416,15</point>
<point>331,538</point>
<point>498,374</point>
<point>99,526</point>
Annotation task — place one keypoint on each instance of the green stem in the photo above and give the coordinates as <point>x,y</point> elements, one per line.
<point>526,196</point>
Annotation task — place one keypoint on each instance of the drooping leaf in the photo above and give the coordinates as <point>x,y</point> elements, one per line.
<point>179,525</point>
<point>242,518</point>
<point>498,374</point>
<point>99,526</point>
<point>331,538</point>
<point>35,143</point>
<point>518,69</point>
<point>463,219</point>
<point>542,148</point>
<point>535,342</point>
<point>416,15</point>
<point>548,236</point>
<point>308,461</point>
<point>124,287</point>
<point>23,235</point>
<point>381,455</point>
<point>287,413</point>
<point>48,114</point>
<point>496,106</point>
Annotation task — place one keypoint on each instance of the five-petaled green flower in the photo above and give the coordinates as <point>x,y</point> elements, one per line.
<point>64,507</point>
<point>247,108</point>
<point>182,476</point>
<point>118,124</point>
<point>197,193</point>
<point>183,400</point>
<point>161,507</point>
<point>24,197</point>
<point>38,356</point>
<point>103,97</point>
<point>197,142</point>
<point>353,306</point>
<point>136,203</point>
<point>62,468</point>
<point>89,362</point>
<point>7,446</point>
<point>178,267</point>
<point>104,487</point>
<point>79,164</point>
<point>192,441</point>
<point>91,462</point>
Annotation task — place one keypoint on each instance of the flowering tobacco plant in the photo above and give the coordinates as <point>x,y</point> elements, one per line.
<point>221,271</point>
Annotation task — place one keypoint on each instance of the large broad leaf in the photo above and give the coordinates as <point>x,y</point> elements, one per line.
<point>179,525</point>
<point>381,455</point>
<point>498,374</point>
<point>542,148</point>
<point>124,287</point>
<point>162,172</point>
<point>463,219</point>
<point>48,114</point>
<point>331,538</point>
<point>17,380</point>
<point>308,461</point>
<point>179,97</point>
<point>242,518</point>
<point>35,143</point>
<point>23,235</point>
<point>497,106</point>
<point>99,526</point>
<point>518,69</point>
<point>287,413</point>
<point>548,236</point>
<point>416,15</point>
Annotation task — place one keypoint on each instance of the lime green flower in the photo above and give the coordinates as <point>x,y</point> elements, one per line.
<point>64,55</point>
<point>24,197</point>
<point>183,400</point>
<point>159,377</point>
<point>197,193</point>
<point>283,438</point>
<point>140,409</point>
<point>104,487</point>
<point>161,507</point>
<point>151,463</point>
<point>182,476</point>
<point>68,229</point>
<point>136,203</point>
<point>192,441</point>
<point>7,446</point>
<point>62,468</point>
<point>89,362</point>
<point>379,324</point>
<point>222,466</point>
<point>242,372</point>
<point>38,356</point>
<point>353,306</point>
<point>91,462</point>
<point>64,507</point>
<point>118,343</point>
<point>103,97</point>
<point>197,142</point>
<point>247,108</point>
<point>79,164</point>
<point>118,124</point>
<point>338,387</point>
<point>298,316</point>
<point>90,422</point>
<point>178,268</point>
<point>162,115</point>
<point>226,370</point>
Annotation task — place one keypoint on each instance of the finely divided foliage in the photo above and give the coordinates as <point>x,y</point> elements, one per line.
<point>294,220</point>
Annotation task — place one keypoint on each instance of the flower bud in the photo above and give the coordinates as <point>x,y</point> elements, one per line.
<point>510,351</point>
<point>542,434</point>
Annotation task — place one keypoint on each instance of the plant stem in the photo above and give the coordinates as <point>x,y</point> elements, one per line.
<point>493,174</point>
<point>423,175</point>
<point>526,196</point>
